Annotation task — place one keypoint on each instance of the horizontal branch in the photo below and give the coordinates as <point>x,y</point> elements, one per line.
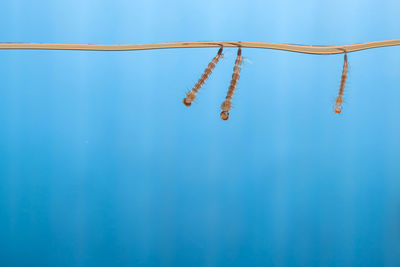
<point>308,49</point>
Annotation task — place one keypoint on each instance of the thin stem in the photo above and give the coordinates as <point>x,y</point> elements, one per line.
<point>308,49</point>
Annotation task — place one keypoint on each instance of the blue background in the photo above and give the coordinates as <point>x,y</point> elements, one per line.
<point>102,165</point>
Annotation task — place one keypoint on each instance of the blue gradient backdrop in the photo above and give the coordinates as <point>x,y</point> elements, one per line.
<point>102,165</point>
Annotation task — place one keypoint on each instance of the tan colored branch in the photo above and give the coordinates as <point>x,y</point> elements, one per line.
<point>308,49</point>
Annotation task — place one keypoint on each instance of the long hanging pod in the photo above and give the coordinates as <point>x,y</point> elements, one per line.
<point>227,104</point>
<point>191,96</point>
<point>339,99</point>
